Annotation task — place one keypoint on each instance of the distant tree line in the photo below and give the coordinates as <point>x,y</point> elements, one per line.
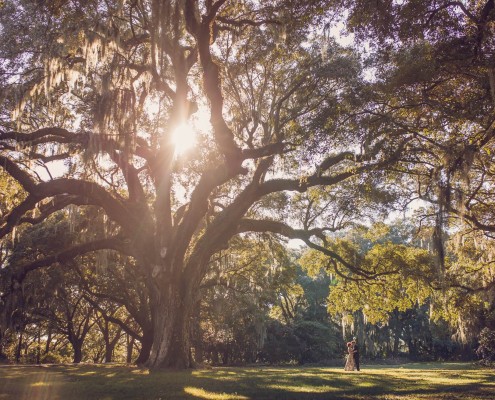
<point>261,303</point>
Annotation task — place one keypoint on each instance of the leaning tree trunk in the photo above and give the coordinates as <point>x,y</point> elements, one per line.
<point>171,311</point>
<point>146,343</point>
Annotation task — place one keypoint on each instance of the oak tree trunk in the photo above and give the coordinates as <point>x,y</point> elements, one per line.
<point>146,343</point>
<point>48,341</point>
<point>171,313</point>
<point>196,333</point>
<point>130,345</point>
<point>77,346</point>
<point>108,352</point>
<point>18,349</point>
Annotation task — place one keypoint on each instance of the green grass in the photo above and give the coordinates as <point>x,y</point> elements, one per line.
<point>446,381</point>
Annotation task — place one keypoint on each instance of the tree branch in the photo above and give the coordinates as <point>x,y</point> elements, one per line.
<point>109,318</point>
<point>202,32</point>
<point>114,243</point>
<point>250,225</point>
<point>96,194</point>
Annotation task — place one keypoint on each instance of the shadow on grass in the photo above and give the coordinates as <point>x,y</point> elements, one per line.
<point>325,383</point>
<point>435,381</point>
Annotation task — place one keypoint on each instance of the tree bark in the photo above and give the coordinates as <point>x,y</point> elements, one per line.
<point>110,343</point>
<point>77,347</point>
<point>397,333</point>
<point>130,345</point>
<point>38,347</point>
<point>146,343</point>
<point>108,352</point>
<point>171,316</point>
<point>48,341</point>
<point>18,349</point>
<point>196,333</point>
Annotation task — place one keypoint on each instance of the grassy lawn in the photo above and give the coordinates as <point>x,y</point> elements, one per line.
<point>411,381</point>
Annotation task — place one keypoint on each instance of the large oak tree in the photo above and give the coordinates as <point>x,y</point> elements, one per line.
<point>102,86</point>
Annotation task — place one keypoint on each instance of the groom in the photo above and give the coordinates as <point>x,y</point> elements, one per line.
<point>356,353</point>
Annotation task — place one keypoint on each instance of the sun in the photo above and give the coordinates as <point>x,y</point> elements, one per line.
<point>183,138</point>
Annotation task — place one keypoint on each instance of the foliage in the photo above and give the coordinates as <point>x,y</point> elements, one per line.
<point>303,342</point>
<point>53,358</point>
<point>281,345</point>
<point>402,309</point>
<point>399,284</point>
<point>237,293</point>
<point>486,349</point>
<point>398,279</point>
<point>316,342</point>
<point>466,296</point>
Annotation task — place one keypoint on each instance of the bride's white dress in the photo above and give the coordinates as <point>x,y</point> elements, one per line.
<point>349,364</point>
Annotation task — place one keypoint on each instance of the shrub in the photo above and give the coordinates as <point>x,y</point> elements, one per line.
<point>302,342</point>
<point>4,359</point>
<point>486,348</point>
<point>52,358</point>
<point>315,341</point>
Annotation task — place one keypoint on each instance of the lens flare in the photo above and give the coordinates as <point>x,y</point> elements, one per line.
<point>183,138</point>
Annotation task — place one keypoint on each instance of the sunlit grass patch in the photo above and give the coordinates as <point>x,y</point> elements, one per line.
<point>140,371</point>
<point>87,373</point>
<point>302,389</point>
<point>38,384</point>
<point>203,394</point>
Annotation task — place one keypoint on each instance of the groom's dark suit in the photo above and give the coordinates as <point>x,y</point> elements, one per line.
<point>356,356</point>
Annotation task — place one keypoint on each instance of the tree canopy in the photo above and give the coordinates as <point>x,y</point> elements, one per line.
<point>296,137</point>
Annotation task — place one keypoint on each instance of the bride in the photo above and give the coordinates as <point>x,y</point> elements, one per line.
<point>349,365</point>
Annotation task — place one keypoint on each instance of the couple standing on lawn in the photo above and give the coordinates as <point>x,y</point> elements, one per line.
<point>352,356</point>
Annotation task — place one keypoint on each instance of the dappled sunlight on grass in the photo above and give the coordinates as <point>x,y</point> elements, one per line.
<point>434,366</point>
<point>29,384</point>
<point>36,384</point>
<point>140,371</point>
<point>303,389</point>
<point>120,382</point>
<point>203,394</point>
<point>87,373</point>
<point>379,382</point>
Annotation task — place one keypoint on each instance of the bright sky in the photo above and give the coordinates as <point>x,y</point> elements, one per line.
<point>56,168</point>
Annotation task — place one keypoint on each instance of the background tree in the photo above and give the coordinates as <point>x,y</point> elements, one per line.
<point>437,57</point>
<point>238,293</point>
